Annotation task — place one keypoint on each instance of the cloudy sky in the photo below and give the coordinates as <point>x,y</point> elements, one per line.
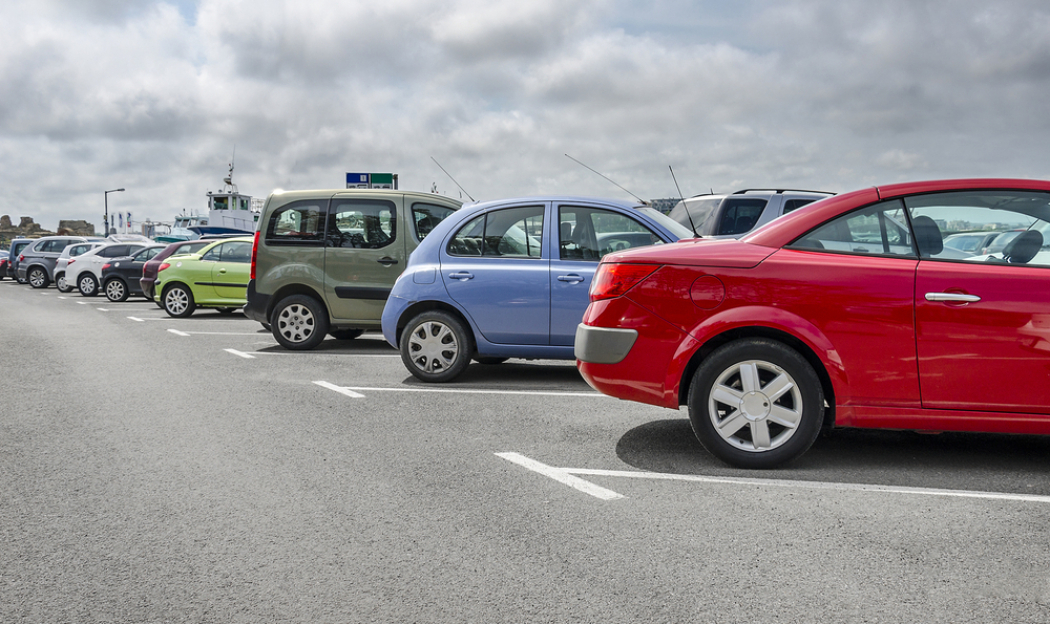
<point>833,95</point>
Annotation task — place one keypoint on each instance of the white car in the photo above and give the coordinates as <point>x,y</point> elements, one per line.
<point>72,251</point>
<point>85,271</point>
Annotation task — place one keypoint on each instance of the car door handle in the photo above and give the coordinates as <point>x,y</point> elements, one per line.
<point>387,261</point>
<point>222,270</point>
<point>955,297</point>
<point>572,278</point>
<point>462,276</point>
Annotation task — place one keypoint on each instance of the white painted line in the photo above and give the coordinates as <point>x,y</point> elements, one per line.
<point>340,390</point>
<point>82,302</point>
<point>61,297</point>
<point>141,320</point>
<point>136,319</point>
<point>178,333</point>
<point>815,485</point>
<point>592,395</point>
<point>102,309</point>
<point>240,354</point>
<point>561,475</point>
<point>196,333</point>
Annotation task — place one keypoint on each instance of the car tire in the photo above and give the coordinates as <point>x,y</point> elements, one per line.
<point>345,334</point>
<point>299,322</point>
<point>61,285</point>
<point>178,301</point>
<point>436,346</point>
<point>87,285</point>
<point>37,277</point>
<point>756,403</point>
<point>116,290</point>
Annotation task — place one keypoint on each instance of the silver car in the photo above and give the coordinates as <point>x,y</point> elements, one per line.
<point>36,263</point>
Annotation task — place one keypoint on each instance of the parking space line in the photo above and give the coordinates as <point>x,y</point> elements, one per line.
<point>240,354</point>
<point>554,473</point>
<point>179,333</point>
<point>349,393</point>
<point>142,320</point>
<point>593,395</point>
<point>561,475</point>
<point>102,309</point>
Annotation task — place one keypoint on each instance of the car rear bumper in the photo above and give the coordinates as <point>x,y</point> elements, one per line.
<point>257,304</point>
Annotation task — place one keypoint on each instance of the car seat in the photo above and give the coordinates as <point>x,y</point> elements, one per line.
<point>1022,249</point>
<point>927,236</point>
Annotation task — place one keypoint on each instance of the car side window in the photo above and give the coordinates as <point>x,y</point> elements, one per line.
<point>298,223</point>
<point>510,233</point>
<point>114,252</point>
<point>591,233</point>
<point>237,251</point>
<point>1021,219</point>
<point>792,205</point>
<point>362,223</point>
<point>741,215</point>
<point>426,216</point>
<point>878,230</point>
<point>213,255</point>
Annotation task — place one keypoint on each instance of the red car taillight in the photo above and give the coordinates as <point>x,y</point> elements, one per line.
<point>71,261</point>
<point>105,266</point>
<point>21,257</point>
<point>613,280</point>
<point>163,266</point>
<point>255,254</point>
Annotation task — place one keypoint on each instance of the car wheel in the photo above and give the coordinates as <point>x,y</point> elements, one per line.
<point>61,285</point>
<point>436,346</point>
<point>756,403</point>
<point>87,285</point>
<point>116,290</point>
<point>37,278</point>
<point>178,301</point>
<point>345,334</point>
<point>299,322</point>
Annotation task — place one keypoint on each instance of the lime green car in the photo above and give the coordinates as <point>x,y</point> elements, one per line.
<point>213,277</point>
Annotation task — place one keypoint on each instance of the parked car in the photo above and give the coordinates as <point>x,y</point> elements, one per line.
<point>17,245</point>
<point>152,266</point>
<point>214,277</point>
<point>324,261</point>
<point>121,277</point>
<point>844,313</point>
<point>85,270</point>
<point>36,263</point>
<point>509,278</point>
<point>72,251</point>
<point>738,213</point>
<point>3,264</point>
<point>973,243</point>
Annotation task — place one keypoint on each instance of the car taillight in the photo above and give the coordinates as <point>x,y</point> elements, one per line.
<point>612,280</point>
<point>255,254</point>
<point>21,257</point>
<point>164,266</point>
<point>105,266</point>
<point>71,261</point>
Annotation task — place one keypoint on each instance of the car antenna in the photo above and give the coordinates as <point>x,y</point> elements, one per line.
<point>607,178</point>
<point>451,178</point>
<point>684,205</point>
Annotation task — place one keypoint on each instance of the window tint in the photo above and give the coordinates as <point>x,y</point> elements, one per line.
<point>114,251</point>
<point>878,230</point>
<point>794,204</point>
<point>298,223</point>
<point>76,250</point>
<point>590,233</point>
<point>362,223</point>
<point>512,233</point>
<point>1023,218</point>
<point>426,216</point>
<point>740,215</point>
<point>237,251</point>
<point>146,254</point>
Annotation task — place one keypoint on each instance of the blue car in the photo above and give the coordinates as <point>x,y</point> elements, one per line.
<point>509,279</point>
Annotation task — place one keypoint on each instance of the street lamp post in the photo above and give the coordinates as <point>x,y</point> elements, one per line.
<point>106,217</point>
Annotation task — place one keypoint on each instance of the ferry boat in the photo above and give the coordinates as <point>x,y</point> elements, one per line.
<point>229,212</point>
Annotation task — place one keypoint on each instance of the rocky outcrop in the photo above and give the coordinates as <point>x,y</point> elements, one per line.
<point>76,228</point>
<point>26,227</point>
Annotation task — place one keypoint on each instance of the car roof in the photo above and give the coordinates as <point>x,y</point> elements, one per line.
<point>563,199</point>
<point>288,196</point>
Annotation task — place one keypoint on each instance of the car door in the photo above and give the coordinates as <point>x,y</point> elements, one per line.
<point>585,233</point>
<point>983,323</point>
<point>230,268</point>
<point>496,267</point>
<point>364,253</point>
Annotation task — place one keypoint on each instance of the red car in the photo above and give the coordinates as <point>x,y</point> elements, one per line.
<point>849,312</point>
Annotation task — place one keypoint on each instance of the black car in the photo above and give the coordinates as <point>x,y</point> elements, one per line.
<point>120,276</point>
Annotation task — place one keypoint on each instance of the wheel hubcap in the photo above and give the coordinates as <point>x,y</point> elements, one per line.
<point>115,290</point>
<point>87,285</point>
<point>755,406</point>
<point>296,323</point>
<point>61,283</point>
<point>36,278</point>
<point>433,347</point>
<point>176,301</point>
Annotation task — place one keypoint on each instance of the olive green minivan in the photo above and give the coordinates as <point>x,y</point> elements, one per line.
<point>324,261</point>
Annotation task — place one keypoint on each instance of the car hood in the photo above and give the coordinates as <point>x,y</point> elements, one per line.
<point>697,252</point>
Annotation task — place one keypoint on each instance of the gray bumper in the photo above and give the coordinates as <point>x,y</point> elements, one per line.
<point>602,345</point>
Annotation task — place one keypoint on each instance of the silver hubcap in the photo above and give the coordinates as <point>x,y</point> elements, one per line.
<point>296,323</point>
<point>755,406</point>
<point>61,282</point>
<point>36,278</point>
<point>87,285</point>
<point>115,290</point>
<point>176,301</point>
<point>433,347</point>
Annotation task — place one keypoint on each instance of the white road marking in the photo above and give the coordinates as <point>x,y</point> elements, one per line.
<point>136,319</point>
<point>562,476</point>
<point>557,473</point>
<point>593,395</point>
<point>349,393</point>
<point>141,320</point>
<point>240,354</point>
<point>196,333</point>
<point>102,309</point>
<point>178,333</point>
<point>82,302</point>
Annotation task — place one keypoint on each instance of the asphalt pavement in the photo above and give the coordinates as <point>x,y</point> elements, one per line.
<point>191,470</point>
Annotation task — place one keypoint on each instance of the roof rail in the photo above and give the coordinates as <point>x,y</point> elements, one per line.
<point>779,191</point>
